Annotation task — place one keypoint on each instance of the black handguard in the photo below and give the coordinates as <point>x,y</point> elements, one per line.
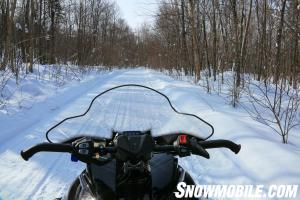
<point>197,148</point>
<point>49,147</point>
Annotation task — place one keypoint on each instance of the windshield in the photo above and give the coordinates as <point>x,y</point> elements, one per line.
<point>129,108</point>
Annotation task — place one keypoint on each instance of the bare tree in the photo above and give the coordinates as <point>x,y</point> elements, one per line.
<point>192,4</point>
<point>9,25</point>
<point>281,116</point>
<point>31,35</point>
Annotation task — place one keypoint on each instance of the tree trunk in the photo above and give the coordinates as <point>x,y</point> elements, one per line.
<point>31,35</point>
<point>194,40</point>
<point>237,43</point>
<point>186,62</point>
<point>52,32</point>
<point>237,78</point>
<point>278,43</point>
<point>214,41</point>
<point>7,35</point>
<point>243,47</point>
<point>295,62</point>
<point>206,46</point>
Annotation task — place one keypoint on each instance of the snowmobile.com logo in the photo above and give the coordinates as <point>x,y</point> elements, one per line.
<point>236,191</point>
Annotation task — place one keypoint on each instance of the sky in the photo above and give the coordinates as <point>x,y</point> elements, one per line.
<point>136,12</point>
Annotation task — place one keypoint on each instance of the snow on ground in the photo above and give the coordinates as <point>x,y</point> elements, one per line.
<point>36,87</point>
<point>262,160</point>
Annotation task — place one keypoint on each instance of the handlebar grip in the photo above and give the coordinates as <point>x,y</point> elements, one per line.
<point>221,143</point>
<point>50,147</point>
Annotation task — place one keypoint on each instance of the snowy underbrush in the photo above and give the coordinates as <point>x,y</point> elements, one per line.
<point>29,88</point>
<point>275,106</point>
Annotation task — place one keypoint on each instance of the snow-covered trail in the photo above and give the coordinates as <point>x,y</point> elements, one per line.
<point>38,178</point>
<point>48,175</point>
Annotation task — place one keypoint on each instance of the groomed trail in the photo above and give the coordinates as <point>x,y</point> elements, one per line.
<point>48,175</point>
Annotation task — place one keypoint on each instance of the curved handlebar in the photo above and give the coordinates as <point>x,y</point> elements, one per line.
<point>221,143</point>
<point>55,147</point>
<point>50,147</point>
<point>201,146</point>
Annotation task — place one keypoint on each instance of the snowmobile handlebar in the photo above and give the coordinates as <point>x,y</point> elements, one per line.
<point>48,147</point>
<point>194,147</point>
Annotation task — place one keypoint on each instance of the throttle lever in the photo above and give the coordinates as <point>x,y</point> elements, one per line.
<point>197,148</point>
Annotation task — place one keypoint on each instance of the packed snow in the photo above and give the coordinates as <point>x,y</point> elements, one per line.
<point>263,159</point>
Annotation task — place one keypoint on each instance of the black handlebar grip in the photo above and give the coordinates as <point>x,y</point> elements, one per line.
<point>25,155</point>
<point>221,143</point>
<point>49,147</point>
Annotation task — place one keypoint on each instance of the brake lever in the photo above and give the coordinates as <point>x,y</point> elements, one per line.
<point>197,148</point>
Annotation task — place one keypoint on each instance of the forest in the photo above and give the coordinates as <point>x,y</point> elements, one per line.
<point>260,37</point>
<point>201,39</point>
<point>251,36</point>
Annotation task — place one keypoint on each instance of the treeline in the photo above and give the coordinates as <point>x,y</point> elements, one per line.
<point>260,37</point>
<point>88,32</point>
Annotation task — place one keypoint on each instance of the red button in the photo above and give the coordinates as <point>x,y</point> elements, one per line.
<point>182,139</point>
